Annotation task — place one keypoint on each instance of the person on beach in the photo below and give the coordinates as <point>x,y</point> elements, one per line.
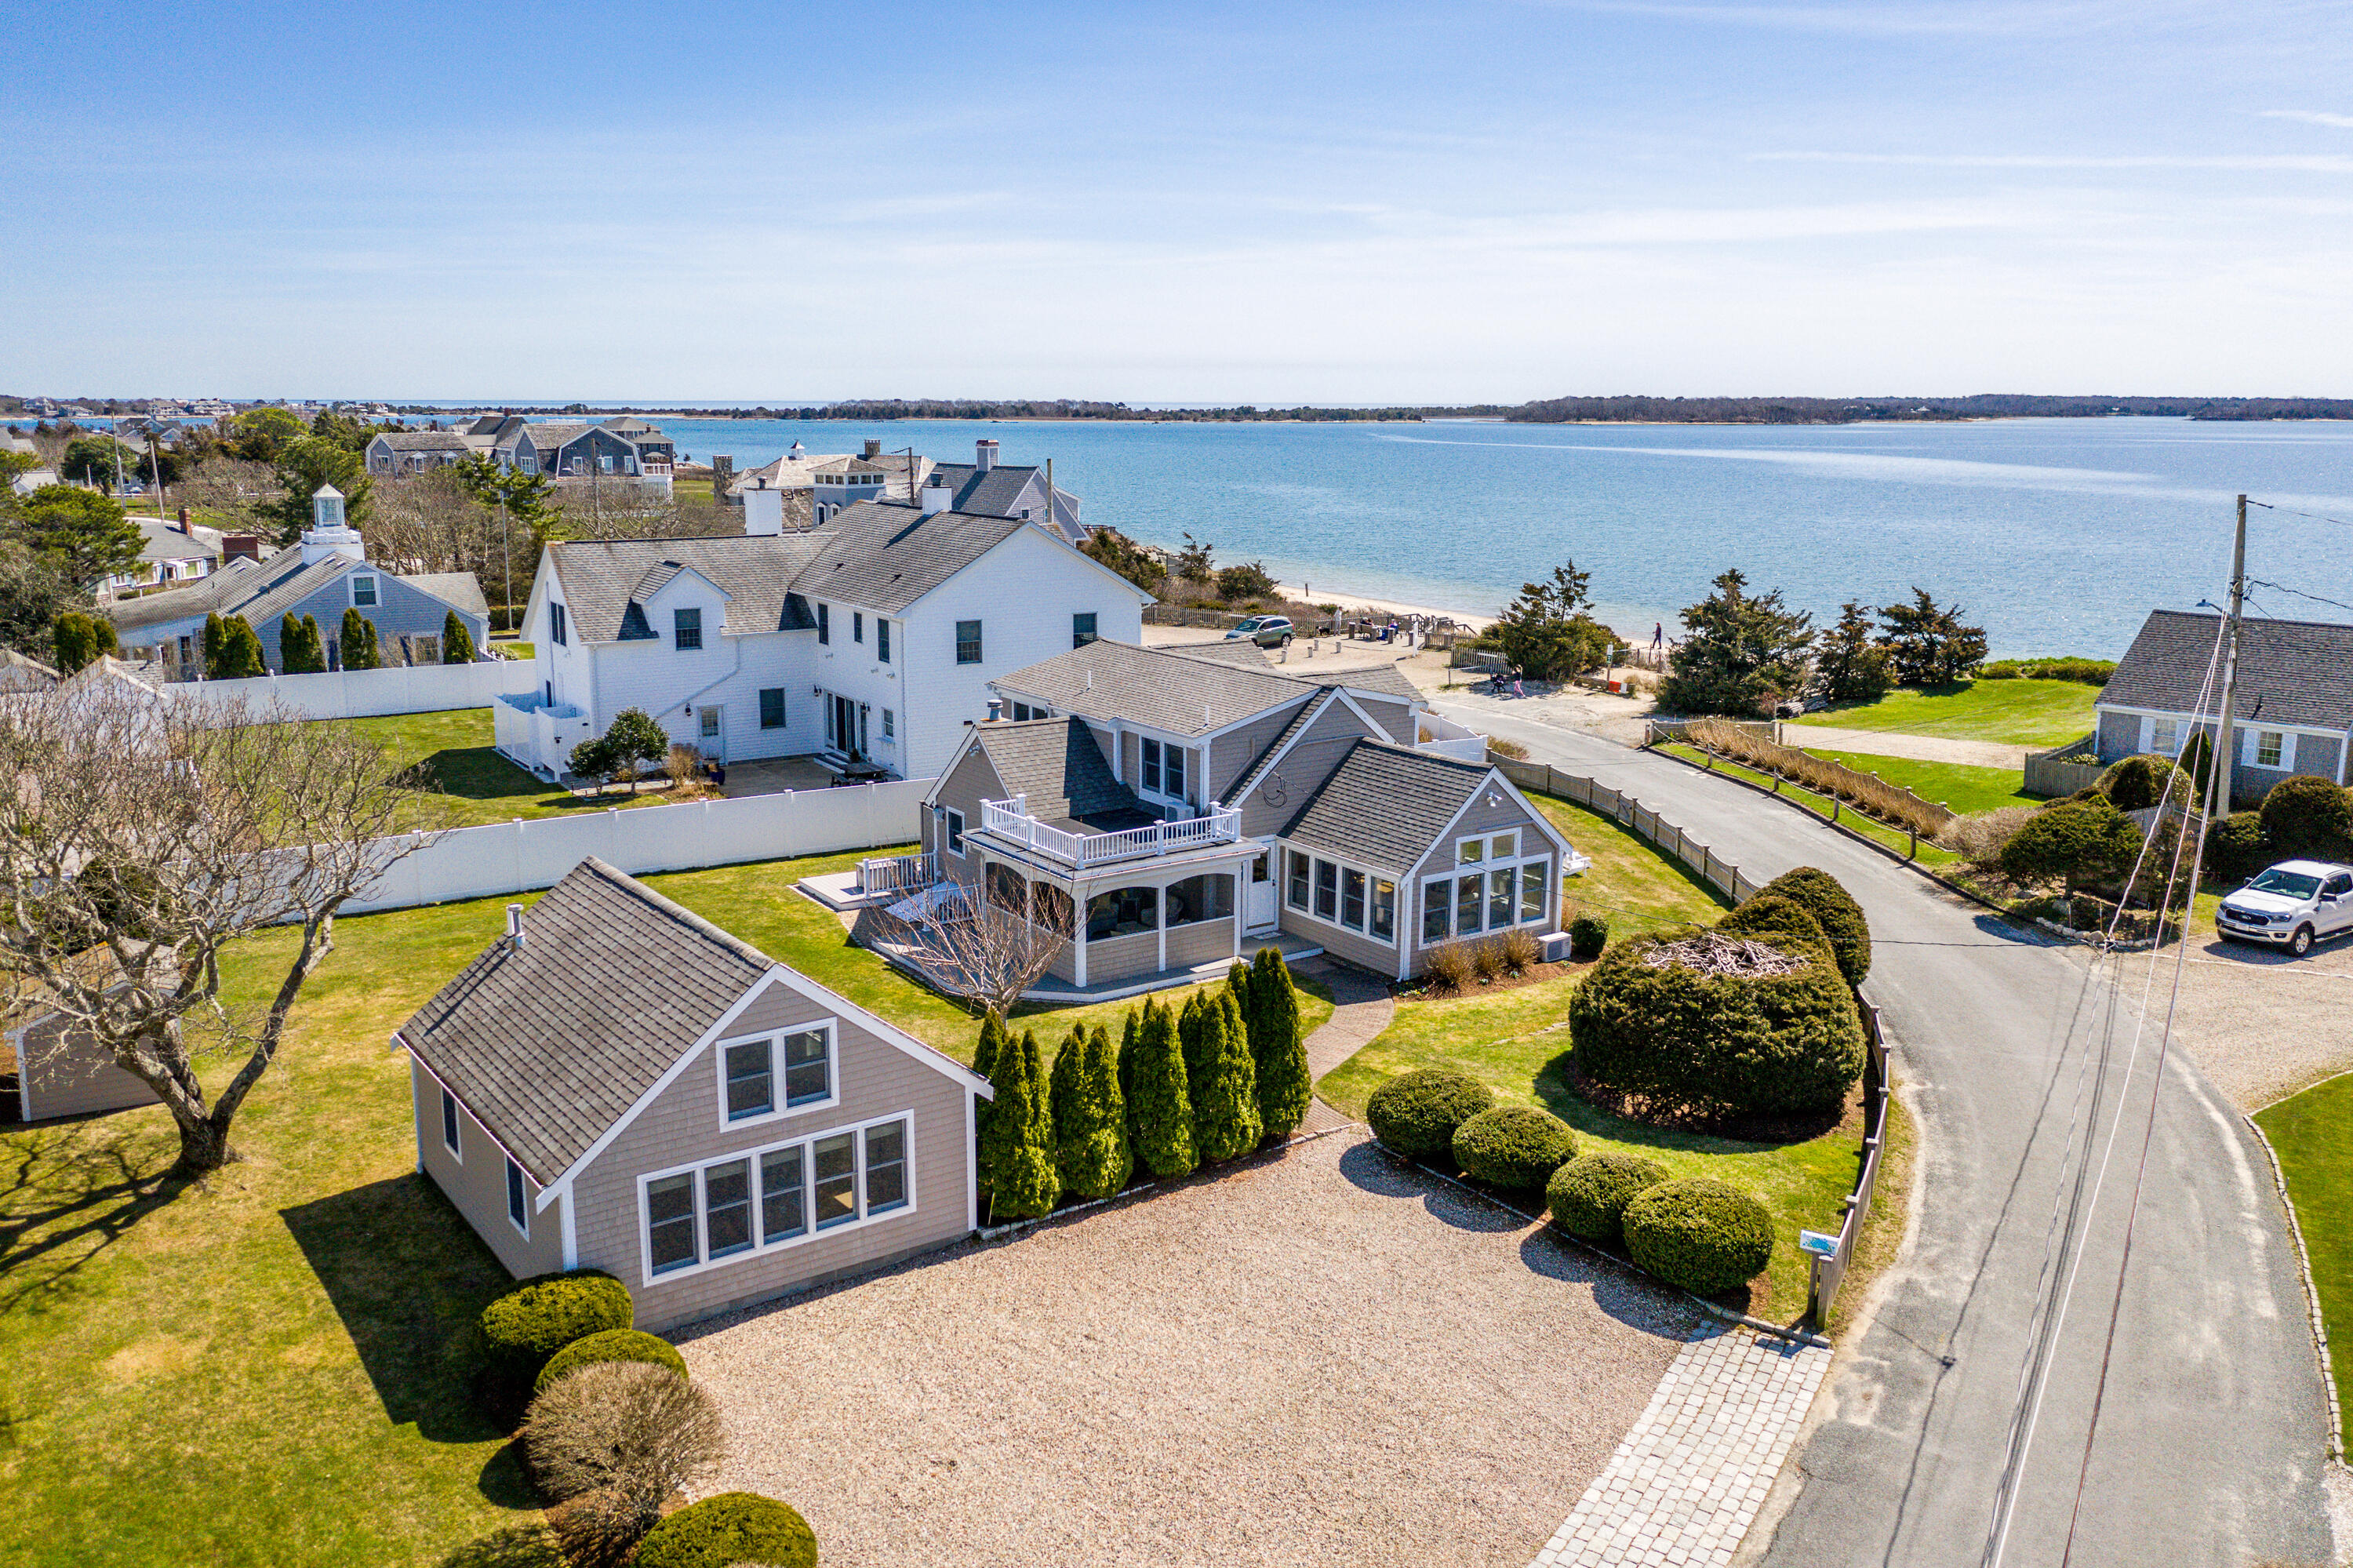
<point>1658,633</point>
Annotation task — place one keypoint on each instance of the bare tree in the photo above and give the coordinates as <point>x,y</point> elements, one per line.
<point>984,949</point>
<point>232,491</point>
<point>430,521</point>
<point>144,836</point>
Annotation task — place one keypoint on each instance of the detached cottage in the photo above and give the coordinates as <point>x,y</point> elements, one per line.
<point>618,1083</point>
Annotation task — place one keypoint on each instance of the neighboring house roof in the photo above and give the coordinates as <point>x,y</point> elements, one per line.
<point>2296,672</point>
<point>426,441</point>
<point>992,492</point>
<point>1387,679</point>
<point>551,1042</point>
<point>19,674</point>
<point>1057,765</point>
<point>1154,687</point>
<point>459,590</point>
<point>1385,803</point>
<point>600,578</point>
<point>262,592</point>
<point>236,581</point>
<point>160,541</point>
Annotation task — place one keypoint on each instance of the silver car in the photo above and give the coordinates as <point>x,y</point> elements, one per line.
<point>2293,904</point>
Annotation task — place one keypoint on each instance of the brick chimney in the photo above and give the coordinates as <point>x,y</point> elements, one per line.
<point>722,474</point>
<point>873,448</point>
<point>236,546</point>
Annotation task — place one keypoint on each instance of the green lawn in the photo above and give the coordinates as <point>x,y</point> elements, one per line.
<point>1965,790</point>
<point>1630,884</point>
<point>2313,1133</point>
<point>1512,1041</point>
<point>2018,713</point>
<point>1846,816</point>
<point>478,785</point>
<point>254,1374</point>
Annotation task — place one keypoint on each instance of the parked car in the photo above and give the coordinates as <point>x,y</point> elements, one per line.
<point>2293,904</point>
<point>1266,631</point>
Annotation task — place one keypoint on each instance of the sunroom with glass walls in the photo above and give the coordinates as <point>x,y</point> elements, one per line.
<point>1488,882</point>
<point>1348,906</point>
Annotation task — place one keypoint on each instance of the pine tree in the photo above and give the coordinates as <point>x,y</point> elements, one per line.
<point>1285,1085</point>
<point>1022,1179</point>
<point>1090,1119</point>
<point>1163,1111</point>
<point>984,1056</point>
<point>1225,1092</point>
<point>456,643</point>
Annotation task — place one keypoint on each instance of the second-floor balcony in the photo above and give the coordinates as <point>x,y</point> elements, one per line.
<point>1083,844</point>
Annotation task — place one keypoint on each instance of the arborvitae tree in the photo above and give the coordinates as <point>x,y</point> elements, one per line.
<point>1162,1109</point>
<point>79,639</point>
<point>1127,1039</point>
<point>301,647</point>
<point>1285,1085</point>
<point>216,640</point>
<point>1089,1118</point>
<point>357,640</point>
<point>456,643</point>
<point>984,1057</point>
<point>232,653</point>
<point>1022,1181</point>
<point>1225,1097</point>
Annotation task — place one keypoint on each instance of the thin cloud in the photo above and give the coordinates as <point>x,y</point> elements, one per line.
<point>2319,164</point>
<point>2309,117</point>
<point>1977,17</point>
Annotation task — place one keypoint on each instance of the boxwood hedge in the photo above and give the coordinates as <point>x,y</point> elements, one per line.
<point>1835,910</point>
<point>610,1345</point>
<point>733,1528</point>
<point>1513,1146</point>
<point>1770,914</point>
<point>1588,1195</point>
<point>548,1311</point>
<point>1416,1113</point>
<point>1728,1047</point>
<point>1703,1234</point>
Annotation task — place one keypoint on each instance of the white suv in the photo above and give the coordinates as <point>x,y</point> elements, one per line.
<point>2293,904</point>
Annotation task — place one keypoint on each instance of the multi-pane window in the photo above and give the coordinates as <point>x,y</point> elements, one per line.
<point>556,631</point>
<point>1152,765</point>
<point>823,623</point>
<point>1297,880</point>
<point>967,641</point>
<point>890,724</point>
<point>727,1207</point>
<point>886,1167</point>
<point>772,707</point>
<point>809,1066</point>
<point>1466,905</point>
<point>449,1122</point>
<point>1434,894</point>
<point>2270,746</point>
<point>836,1160</point>
<point>362,588</point>
<point>1327,889</point>
<point>671,1241</point>
<point>858,626</point>
<point>1173,785</point>
<point>2165,736</point>
<point>751,1080</point>
<point>1533,874</point>
<point>1352,899</point>
<point>518,1210</point>
<point>1499,897</point>
<point>686,627</point>
<point>883,639</point>
<point>783,1194</point>
<point>1082,628</point>
<point>1384,912</point>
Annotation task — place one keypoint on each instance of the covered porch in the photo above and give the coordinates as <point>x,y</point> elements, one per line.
<point>1295,950</point>
<point>1128,923</point>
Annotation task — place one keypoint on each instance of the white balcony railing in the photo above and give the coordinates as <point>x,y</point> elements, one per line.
<point>898,872</point>
<point>1010,820</point>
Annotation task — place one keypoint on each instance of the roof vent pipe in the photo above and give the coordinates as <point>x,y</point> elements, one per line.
<point>995,709</point>
<point>514,925</point>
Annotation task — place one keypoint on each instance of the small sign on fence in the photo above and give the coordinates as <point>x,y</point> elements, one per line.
<point>1818,1244</point>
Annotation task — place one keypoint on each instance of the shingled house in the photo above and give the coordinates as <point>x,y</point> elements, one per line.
<point>2294,707</point>
<point>618,1083</point>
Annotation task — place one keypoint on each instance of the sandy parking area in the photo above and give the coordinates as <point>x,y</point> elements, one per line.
<point>2261,1023</point>
<point>1323,1358</point>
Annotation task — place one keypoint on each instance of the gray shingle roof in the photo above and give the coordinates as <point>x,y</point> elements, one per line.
<point>1387,679</point>
<point>1057,764</point>
<point>549,1043</point>
<point>237,580</point>
<point>1386,804</point>
<point>460,590</point>
<point>600,576</point>
<point>886,555</point>
<point>1153,687</point>
<point>425,441</point>
<point>2290,671</point>
<point>992,494</point>
<point>1265,759</point>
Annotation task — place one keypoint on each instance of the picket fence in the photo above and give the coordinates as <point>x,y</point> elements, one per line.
<point>367,694</point>
<point>1713,868</point>
<point>535,853</point>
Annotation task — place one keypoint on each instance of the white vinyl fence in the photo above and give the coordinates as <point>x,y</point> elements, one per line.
<point>533,853</point>
<point>365,694</point>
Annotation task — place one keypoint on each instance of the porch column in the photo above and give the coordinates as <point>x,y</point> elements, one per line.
<point>1234,902</point>
<point>1160,914</point>
<point>1079,935</point>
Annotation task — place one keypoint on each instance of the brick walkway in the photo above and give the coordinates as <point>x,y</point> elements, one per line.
<point>1684,1486</point>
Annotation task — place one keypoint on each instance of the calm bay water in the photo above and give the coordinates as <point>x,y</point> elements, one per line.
<point>2058,535</point>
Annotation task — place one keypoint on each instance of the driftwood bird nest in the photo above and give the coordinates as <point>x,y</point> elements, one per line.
<point>1714,953</point>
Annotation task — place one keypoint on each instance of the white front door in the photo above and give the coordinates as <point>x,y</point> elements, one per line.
<point>1259,909</point>
<point>709,733</point>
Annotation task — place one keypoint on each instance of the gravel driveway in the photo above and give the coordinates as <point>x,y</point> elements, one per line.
<point>2261,1023</point>
<point>1323,1358</point>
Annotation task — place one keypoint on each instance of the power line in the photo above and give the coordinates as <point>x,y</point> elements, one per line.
<point>2317,599</point>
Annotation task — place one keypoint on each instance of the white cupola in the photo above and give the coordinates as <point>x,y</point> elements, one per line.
<point>329,534</point>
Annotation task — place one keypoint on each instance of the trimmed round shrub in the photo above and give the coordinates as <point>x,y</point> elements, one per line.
<point>1588,1195</point>
<point>1700,1034</point>
<point>1770,914</point>
<point>2306,817</point>
<point>611,1345</point>
<point>1705,1235</point>
<point>548,1311</point>
<point>2237,847</point>
<point>1513,1146</point>
<point>733,1528</point>
<point>2136,783</point>
<point>1835,910</point>
<point>2072,841</point>
<point>1586,937</point>
<point>1416,1113</point>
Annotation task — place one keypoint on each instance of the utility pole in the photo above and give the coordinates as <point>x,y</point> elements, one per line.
<point>2225,738</point>
<point>155,468</point>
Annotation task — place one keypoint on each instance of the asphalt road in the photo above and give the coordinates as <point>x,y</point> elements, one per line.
<point>2211,1444</point>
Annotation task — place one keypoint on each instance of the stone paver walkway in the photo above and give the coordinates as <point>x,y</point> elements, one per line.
<point>1686,1483</point>
<point>1361,1009</point>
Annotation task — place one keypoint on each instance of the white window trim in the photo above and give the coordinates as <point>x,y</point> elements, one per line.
<point>774,1039</point>
<point>375,585</point>
<point>453,1127</point>
<point>952,838</point>
<point>1340,896</point>
<point>506,1196</point>
<point>647,1278</point>
<point>1456,872</point>
<point>2255,738</point>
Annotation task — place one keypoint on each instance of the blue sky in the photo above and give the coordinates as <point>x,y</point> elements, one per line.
<point>1258,203</point>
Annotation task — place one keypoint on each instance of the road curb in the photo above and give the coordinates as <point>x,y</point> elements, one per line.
<point>2311,1291</point>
